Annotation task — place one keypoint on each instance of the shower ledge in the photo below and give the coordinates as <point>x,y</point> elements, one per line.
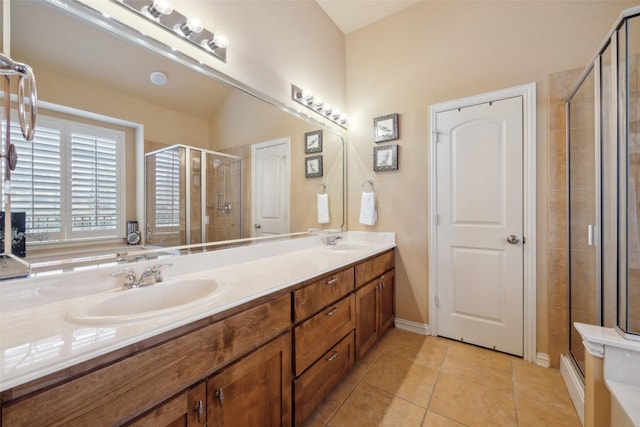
<point>621,365</point>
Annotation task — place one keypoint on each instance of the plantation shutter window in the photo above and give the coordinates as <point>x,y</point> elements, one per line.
<point>67,181</point>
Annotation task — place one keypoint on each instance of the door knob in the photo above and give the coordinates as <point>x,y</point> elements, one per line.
<point>512,239</point>
<point>257,226</point>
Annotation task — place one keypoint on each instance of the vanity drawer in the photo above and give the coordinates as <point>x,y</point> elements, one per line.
<point>369,270</point>
<point>319,294</point>
<point>126,388</point>
<point>319,333</point>
<point>322,377</point>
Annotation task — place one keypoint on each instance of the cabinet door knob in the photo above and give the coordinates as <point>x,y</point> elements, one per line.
<point>332,312</point>
<point>332,281</point>
<point>199,409</point>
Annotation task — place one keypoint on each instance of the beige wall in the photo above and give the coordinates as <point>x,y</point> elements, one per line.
<point>438,51</point>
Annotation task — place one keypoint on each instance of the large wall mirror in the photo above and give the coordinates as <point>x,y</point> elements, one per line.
<point>90,75</point>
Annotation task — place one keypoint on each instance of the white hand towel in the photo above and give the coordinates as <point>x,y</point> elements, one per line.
<point>368,214</point>
<point>323,208</point>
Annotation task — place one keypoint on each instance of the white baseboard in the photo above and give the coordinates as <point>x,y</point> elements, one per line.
<point>408,325</point>
<point>573,381</point>
<point>543,359</point>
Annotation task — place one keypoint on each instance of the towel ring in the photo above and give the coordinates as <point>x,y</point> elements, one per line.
<point>324,188</point>
<point>370,182</point>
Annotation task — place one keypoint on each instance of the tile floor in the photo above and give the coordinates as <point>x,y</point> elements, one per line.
<point>409,380</point>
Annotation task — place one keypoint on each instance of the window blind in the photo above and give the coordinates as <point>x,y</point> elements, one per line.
<point>94,199</point>
<point>67,180</point>
<point>36,181</point>
<point>167,176</point>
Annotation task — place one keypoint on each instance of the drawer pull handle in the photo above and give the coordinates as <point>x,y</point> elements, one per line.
<point>199,409</point>
<point>220,396</point>
<point>332,312</point>
<point>332,357</point>
<point>332,281</point>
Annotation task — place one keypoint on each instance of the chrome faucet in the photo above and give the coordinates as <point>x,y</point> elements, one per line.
<point>331,240</point>
<point>149,276</point>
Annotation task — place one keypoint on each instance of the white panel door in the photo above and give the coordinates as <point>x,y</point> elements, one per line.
<point>270,188</point>
<point>480,223</point>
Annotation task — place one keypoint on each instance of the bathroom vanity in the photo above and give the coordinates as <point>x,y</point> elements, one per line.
<point>288,322</point>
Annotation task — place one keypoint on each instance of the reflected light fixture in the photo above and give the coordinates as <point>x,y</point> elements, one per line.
<point>191,29</point>
<point>317,104</point>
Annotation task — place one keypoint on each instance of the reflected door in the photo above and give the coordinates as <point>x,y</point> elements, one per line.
<point>480,224</point>
<point>270,187</point>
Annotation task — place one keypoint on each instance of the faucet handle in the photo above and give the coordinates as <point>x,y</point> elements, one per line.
<point>130,278</point>
<point>157,271</point>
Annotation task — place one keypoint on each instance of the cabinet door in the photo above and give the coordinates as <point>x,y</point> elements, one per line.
<point>255,391</point>
<point>367,324</point>
<point>387,301</point>
<point>188,409</point>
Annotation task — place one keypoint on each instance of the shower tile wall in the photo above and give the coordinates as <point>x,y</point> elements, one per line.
<point>560,85</point>
<point>634,175</point>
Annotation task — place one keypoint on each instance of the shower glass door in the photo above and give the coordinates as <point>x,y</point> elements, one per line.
<point>582,153</point>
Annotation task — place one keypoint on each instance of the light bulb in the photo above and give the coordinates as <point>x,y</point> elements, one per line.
<point>327,109</point>
<point>193,25</point>
<point>158,8</point>
<point>317,101</point>
<point>343,118</point>
<point>306,95</point>
<point>221,40</point>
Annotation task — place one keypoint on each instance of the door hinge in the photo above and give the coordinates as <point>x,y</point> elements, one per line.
<point>436,219</point>
<point>437,301</point>
<point>524,240</point>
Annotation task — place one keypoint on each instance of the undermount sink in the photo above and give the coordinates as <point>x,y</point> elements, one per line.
<point>348,247</point>
<point>128,305</point>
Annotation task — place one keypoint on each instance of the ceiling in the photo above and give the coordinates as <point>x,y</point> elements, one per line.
<point>351,15</point>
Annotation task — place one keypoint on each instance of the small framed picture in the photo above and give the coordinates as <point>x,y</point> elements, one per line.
<point>385,158</point>
<point>385,128</point>
<point>313,142</point>
<point>313,166</point>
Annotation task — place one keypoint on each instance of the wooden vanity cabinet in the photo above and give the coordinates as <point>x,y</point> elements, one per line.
<point>269,363</point>
<point>324,341</point>
<point>375,300</point>
<point>139,384</point>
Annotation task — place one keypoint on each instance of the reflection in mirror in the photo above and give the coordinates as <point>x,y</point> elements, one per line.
<point>92,77</point>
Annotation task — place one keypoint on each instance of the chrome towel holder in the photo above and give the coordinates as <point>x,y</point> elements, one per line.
<point>324,188</point>
<point>8,68</point>
<point>369,183</point>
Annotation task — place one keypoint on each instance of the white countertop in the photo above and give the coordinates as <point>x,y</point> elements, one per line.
<point>621,365</point>
<point>36,339</point>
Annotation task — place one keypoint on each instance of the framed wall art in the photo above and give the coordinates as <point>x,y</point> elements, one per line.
<point>385,128</point>
<point>313,142</point>
<point>385,158</point>
<point>313,167</point>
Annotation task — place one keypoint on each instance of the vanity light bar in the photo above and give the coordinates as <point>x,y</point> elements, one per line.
<point>191,29</point>
<point>316,103</point>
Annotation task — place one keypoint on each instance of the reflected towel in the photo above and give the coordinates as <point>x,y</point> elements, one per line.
<point>323,208</point>
<point>368,214</point>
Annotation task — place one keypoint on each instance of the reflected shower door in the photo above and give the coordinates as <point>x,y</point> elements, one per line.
<point>224,198</point>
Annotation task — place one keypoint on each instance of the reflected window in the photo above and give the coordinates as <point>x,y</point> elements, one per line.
<point>67,180</point>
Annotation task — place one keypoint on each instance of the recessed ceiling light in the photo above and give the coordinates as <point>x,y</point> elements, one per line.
<point>158,78</point>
